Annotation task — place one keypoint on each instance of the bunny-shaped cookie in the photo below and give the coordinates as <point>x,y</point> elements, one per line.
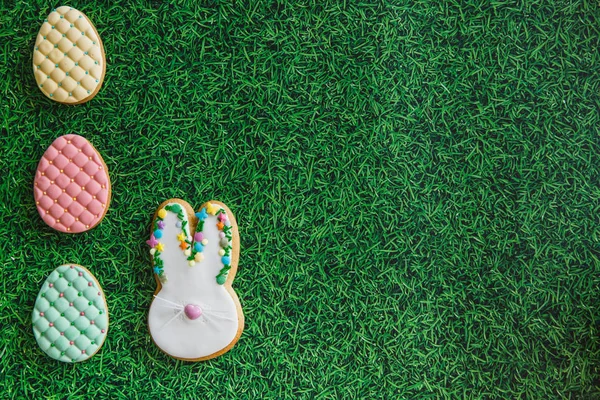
<point>195,314</point>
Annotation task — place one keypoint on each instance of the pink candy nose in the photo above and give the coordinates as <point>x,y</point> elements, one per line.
<point>192,311</point>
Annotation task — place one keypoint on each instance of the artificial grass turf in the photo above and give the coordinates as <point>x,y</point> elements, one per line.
<point>416,187</point>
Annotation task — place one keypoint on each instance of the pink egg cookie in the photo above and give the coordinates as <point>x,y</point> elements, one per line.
<point>71,186</point>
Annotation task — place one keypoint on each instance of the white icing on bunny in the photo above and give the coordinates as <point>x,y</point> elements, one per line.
<point>193,316</point>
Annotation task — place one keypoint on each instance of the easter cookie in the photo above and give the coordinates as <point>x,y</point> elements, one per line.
<point>71,185</point>
<point>68,58</point>
<point>195,314</point>
<point>70,317</point>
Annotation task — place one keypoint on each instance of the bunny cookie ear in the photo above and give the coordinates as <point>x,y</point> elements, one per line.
<point>217,237</point>
<point>170,235</point>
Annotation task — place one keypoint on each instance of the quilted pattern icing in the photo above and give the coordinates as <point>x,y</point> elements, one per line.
<point>68,58</point>
<point>71,185</point>
<point>70,317</point>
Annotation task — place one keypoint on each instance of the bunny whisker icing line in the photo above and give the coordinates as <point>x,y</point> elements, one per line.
<point>171,307</point>
<point>207,307</point>
<point>208,310</point>
<point>219,316</point>
<point>213,321</point>
<point>167,301</point>
<point>171,320</point>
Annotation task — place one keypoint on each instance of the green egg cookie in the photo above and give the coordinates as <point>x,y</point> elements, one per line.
<point>70,317</point>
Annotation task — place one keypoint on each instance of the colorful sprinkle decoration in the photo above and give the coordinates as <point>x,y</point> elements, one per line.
<point>193,249</point>
<point>158,247</point>
<point>224,227</point>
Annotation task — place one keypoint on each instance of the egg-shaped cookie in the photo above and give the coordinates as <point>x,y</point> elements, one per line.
<point>71,186</point>
<point>70,317</point>
<point>69,62</point>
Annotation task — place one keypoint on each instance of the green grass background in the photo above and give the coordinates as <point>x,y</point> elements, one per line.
<point>416,185</point>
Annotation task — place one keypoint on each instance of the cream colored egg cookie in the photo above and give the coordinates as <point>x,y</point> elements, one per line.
<point>69,62</point>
